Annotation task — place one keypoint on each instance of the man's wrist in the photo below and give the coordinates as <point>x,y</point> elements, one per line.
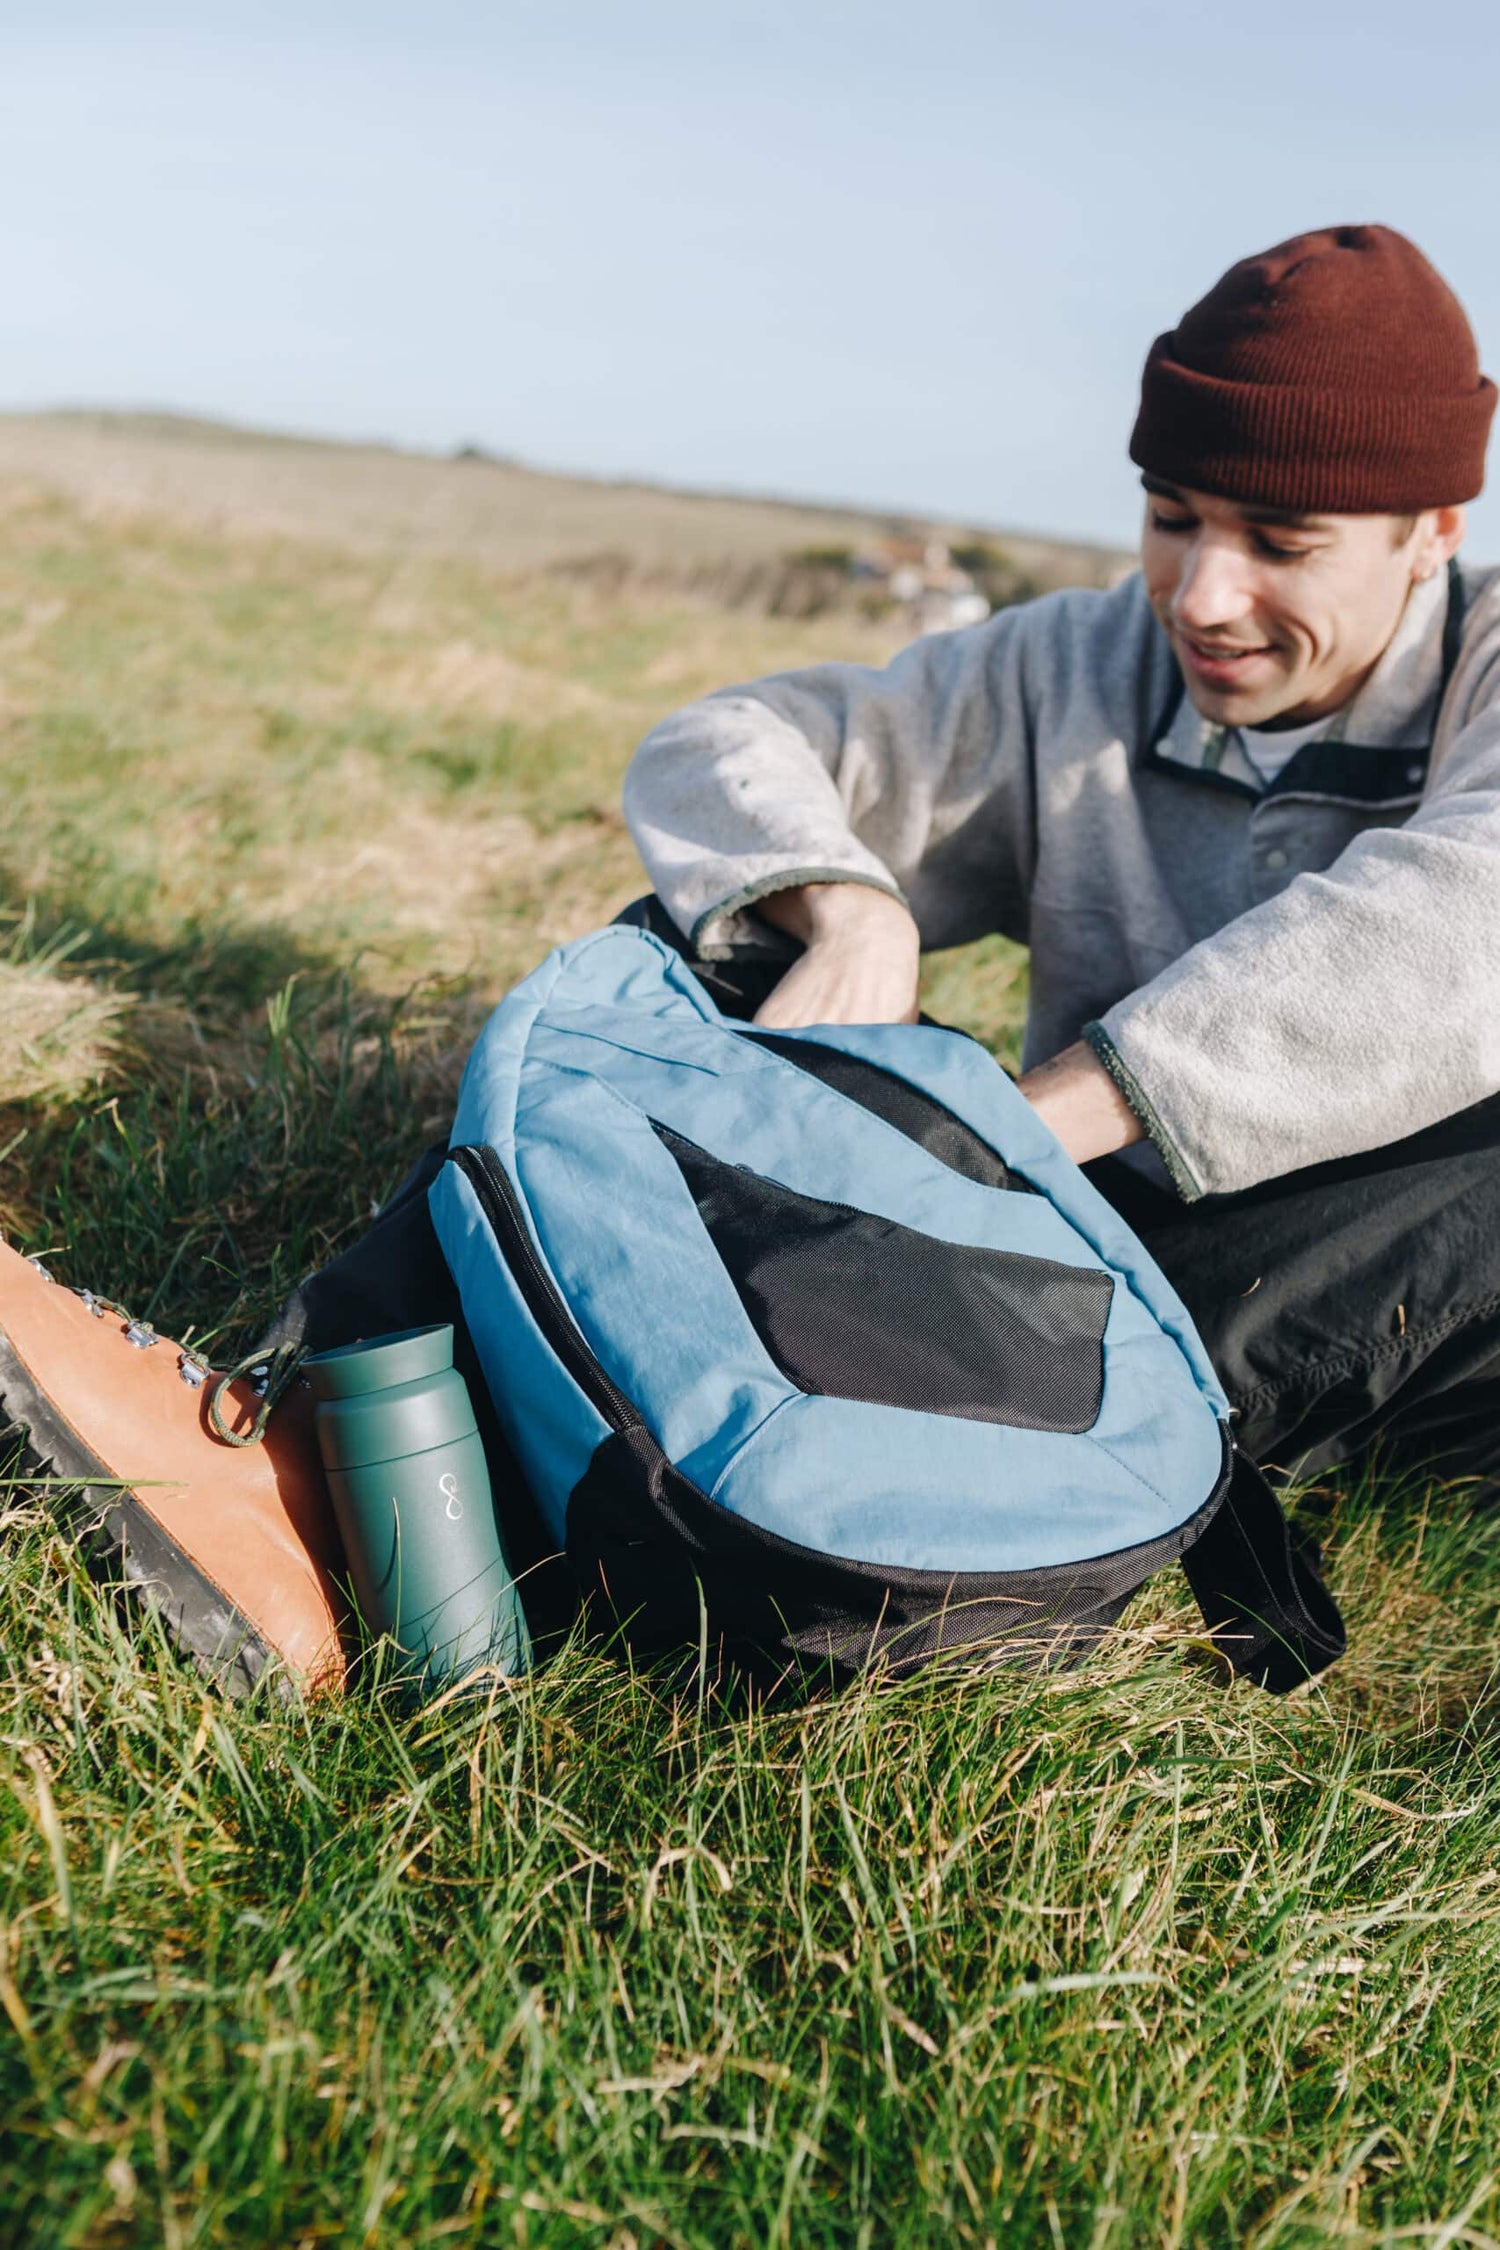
<point>812,911</point>
<point>1075,1096</point>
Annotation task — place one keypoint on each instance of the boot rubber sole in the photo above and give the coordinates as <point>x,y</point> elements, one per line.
<point>123,1542</point>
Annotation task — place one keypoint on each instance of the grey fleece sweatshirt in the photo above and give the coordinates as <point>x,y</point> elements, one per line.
<point>1274,976</point>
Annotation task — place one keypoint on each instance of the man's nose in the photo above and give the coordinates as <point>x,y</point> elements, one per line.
<point>1213,589</point>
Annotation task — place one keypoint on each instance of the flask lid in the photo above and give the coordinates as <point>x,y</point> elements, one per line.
<point>380,1362</point>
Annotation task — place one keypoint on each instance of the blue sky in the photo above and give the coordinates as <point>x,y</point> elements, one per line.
<point>907,255</point>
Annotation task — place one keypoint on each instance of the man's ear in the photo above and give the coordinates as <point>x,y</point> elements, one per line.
<point>1439,534</point>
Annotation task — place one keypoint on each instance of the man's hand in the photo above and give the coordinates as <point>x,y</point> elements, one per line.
<point>1075,1095</point>
<point>860,963</point>
<point>860,966</point>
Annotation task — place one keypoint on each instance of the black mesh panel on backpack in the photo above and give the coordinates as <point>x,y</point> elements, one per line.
<point>853,1306</point>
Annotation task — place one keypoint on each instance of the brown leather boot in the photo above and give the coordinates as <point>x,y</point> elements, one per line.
<point>234,1546</point>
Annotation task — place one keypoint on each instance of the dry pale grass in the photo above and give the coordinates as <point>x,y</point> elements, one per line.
<point>59,1035</point>
<point>234,765</point>
<point>352,704</point>
<point>245,484</point>
<point>329,756</point>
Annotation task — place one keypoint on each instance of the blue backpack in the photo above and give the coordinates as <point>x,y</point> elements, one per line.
<point>815,1346</point>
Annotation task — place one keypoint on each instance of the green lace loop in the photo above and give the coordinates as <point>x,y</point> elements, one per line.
<point>282,1367</point>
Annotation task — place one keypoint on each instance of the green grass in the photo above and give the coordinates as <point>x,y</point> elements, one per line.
<point>1120,1959</point>
<point>1126,1957</point>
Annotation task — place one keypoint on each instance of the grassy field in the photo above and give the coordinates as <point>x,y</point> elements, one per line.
<point>1126,1958</point>
<point>503,515</point>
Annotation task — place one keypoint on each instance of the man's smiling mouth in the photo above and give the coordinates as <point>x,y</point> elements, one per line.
<point>1213,653</point>
<point>1216,661</point>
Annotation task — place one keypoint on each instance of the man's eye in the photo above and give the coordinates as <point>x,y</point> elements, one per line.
<point>1159,522</point>
<point>1275,552</point>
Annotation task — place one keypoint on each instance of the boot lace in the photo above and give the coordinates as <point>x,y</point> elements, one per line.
<point>272,1373</point>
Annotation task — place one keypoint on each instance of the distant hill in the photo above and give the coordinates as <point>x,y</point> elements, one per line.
<point>735,547</point>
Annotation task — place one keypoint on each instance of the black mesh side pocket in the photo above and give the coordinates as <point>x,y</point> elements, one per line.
<point>852,1306</point>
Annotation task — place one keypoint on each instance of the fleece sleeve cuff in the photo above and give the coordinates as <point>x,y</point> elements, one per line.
<point>730,929</point>
<point>1184,1179</point>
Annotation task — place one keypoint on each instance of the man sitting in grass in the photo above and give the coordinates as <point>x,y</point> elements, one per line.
<point>1245,810</point>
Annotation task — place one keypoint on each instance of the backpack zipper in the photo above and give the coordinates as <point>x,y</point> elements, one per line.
<point>498,1200</point>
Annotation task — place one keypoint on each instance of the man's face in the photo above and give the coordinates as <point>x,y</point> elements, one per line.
<point>1275,616</point>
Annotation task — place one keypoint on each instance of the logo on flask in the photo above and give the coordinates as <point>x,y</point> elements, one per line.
<point>453,1506</point>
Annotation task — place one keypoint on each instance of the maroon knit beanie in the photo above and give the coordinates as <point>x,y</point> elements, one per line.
<point>1336,374</point>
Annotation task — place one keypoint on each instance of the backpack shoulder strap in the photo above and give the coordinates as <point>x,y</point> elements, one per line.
<point>1262,1597</point>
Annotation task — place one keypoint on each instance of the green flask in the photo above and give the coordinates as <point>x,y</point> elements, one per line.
<point>411,1492</point>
